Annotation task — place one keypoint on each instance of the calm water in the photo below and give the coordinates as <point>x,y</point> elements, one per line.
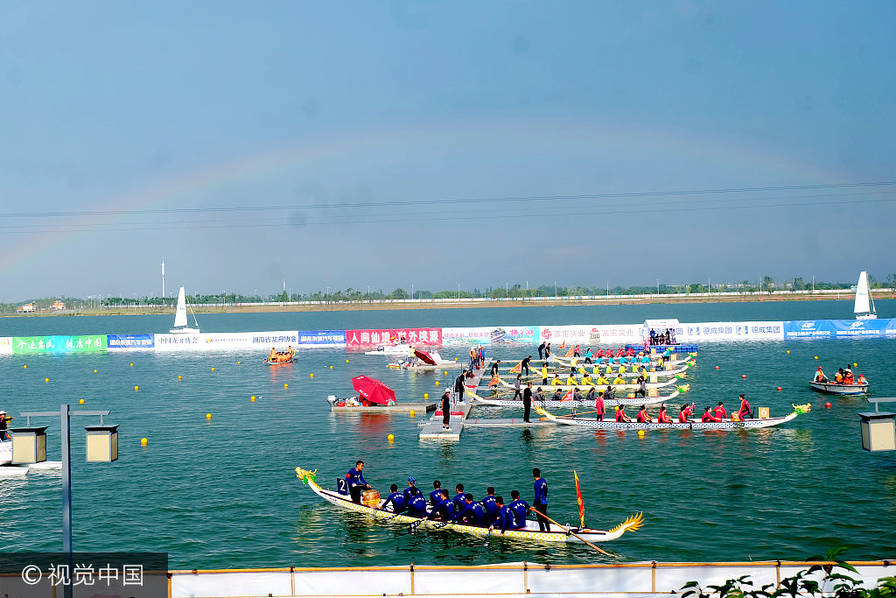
<point>223,493</point>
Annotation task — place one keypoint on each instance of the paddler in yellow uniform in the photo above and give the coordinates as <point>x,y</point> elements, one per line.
<point>586,380</point>
<point>609,370</point>
<point>571,380</point>
<point>621,369</point>
<point>602,381</point>
<point>556,381</point>
<point>618,380</point>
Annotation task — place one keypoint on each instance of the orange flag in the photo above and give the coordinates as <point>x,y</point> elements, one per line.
<point>579,500</point>
<point>517,368</point>
<point>562,345</point>
<point>495,381</point>
<point>567,397</point>
<point>571,352</point>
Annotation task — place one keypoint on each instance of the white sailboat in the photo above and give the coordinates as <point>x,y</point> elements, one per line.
<point>180,316</point>
<point>864,309</point>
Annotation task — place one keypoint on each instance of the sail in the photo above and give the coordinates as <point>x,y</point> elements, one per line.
<point>862,301</point>
<point>180,316</point>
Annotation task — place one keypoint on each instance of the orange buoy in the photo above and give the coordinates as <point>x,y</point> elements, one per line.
<point>717,367</point>
<point>744,376</point>
<point>779,389</point>
<point>827,405</point>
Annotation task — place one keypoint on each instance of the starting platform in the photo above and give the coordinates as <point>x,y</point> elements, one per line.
<point>432,430</point>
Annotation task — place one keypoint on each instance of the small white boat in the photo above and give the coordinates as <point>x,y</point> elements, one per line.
<point>399,349</point>
<point>181,325</point>
<point>833,388</point>
<point>864,308</point>
<point>421,361</point>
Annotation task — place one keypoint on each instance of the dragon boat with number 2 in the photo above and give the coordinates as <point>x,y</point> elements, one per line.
<point>726,424</point>
<point>531,532</point>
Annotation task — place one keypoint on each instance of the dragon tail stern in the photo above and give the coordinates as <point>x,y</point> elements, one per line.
<point>632,523</point>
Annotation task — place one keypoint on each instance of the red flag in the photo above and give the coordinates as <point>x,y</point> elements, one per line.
<point>580,501</point>
<point>567,397</point>
<point>562,345</point>
<point>517,368</point>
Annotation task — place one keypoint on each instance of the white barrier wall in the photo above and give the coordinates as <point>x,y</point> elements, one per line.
<point>5,345</point>
<point>259,341</point>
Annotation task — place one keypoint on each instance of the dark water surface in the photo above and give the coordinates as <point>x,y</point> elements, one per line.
<point>223,493</point>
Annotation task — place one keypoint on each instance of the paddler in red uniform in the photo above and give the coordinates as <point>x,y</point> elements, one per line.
<point>709,416</point>
<point>720,411</point>
<point>599,407</point>
<point>684,413</point>
<point>621,416</point>
<point>662,417</point>
<point>745,410</point>
<point>643,416</point>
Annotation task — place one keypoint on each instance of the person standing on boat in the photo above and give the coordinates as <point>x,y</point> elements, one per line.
<point>599,407</point>
<point>489,504</point>
<point>589,356</point>
<point>547,351</point>
<point>396,499</point>
<point>417,505</point>
<point>745,410</point>
<point>459,387</point>
<point>518,387</point>
<point>540,500</point>
<point>524,365</point>
<point>642,387</point>
<point>356,481</point>
<point>446,411</point>
<point>576,352</point>
<point>527,402</point>
<point>504,519</point>
<point>495,367</point>
<point>544,375</point>
<point>4,425</point>
<point>541,351</point>
<point>519,507</point>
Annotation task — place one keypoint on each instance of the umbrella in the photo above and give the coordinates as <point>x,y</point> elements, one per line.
<point>373,390</point>
<point>424,357</point>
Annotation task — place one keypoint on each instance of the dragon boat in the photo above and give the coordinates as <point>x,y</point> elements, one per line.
<point>657,385</point>
<point>529,533</point>
<point>573,404</point>
<point>833,388</point>
<point>727,424</point>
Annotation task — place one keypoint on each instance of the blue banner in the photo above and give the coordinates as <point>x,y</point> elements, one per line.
<point>839,328</point>
<point>131,341</point>
<point>328,338</point>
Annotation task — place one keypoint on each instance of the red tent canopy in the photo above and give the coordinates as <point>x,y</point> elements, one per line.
<point>424,357</point>
<point>373,390</point>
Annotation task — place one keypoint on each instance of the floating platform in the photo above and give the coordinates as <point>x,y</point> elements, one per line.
<point>18,471</point>
<point>387,409</point>
<point>432,430</point>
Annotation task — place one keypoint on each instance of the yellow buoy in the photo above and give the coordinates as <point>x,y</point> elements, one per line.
<point>94,371</point>
<point>252,398</point>
<point>81,401</point>
<point>788,351</point>
<point>311,375</point>
<point>25,365</point>
<point>631,395</point>
<point>411,413</point>
<point>46,379</point>
<point>346,361</point>
<point>136,388</point>
<point>816,357</point>
<point>213,369</point>
<point>425,395</point>
<point>855,364</point>
<point>445,373</point>
<point>239,363</point>
<point>640,433</point>
<point>285,385</point>
<point>437,382</point>
<point>331,367</point>
<point>143,442</point>
<point>180,377</point>
<point>208,416</point>
<point>390,438</point>
<point>132,364</point>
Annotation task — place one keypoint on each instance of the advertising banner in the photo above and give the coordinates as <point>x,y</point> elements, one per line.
<point>5,345</point>
<point>808,329</point>
<point>604,334</point>
<point>393,336</point>
<point>23,345</point>
<point>868,328</point>
<point>322,338</point>
<point>130,342</point>
<point>492,335</point>
<point>233,341</point>
<point>730,331</point>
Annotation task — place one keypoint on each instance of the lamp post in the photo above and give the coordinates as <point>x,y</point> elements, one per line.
<point>23,452</point>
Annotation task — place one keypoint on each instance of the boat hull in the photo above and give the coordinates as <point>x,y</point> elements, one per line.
<point>832,388</point>
<point>750,424</point>
<point>576,404</point>
<point>5,452</point>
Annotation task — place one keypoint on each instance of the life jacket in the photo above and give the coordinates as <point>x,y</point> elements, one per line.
<point>862,379</point>
<point>849,379</point>
<point>838,378</point>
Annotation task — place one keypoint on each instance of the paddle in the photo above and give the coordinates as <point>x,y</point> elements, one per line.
<point>569,531</point>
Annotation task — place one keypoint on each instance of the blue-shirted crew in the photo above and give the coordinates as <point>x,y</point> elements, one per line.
<point>444,510</point>
<point>417,504</point>
<point>407,491</point>
<point>473,513</point>
<point>356,481</point>
<point>519,507</point>
<point>436,495</point>
<point>396,499</point>
<point>540,501</point>
<point>491,508</point>
<point>459,498</point>
<point>504,519</point>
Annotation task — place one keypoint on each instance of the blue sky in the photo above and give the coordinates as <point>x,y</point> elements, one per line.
<point>473,143</point>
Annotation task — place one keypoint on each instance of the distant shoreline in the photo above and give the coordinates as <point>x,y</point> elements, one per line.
<point>462,304</point>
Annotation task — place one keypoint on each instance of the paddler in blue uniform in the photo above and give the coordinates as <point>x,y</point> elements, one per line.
<point>407,491</point>
<point>540,502</point>
<point>491,508</point>
<point>444,510</point>
<point>396,499</point>
<point>436,495</point>
<point>519,507</point>
<point>472,513</point>
<point>458,499</point>
<point>504,519</point>
<point>417,505</point>
<point>356,481</point>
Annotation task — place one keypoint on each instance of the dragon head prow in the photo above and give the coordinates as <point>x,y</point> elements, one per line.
<point>632,523</point>
<point>305,475</point>
<point>802,408</point>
